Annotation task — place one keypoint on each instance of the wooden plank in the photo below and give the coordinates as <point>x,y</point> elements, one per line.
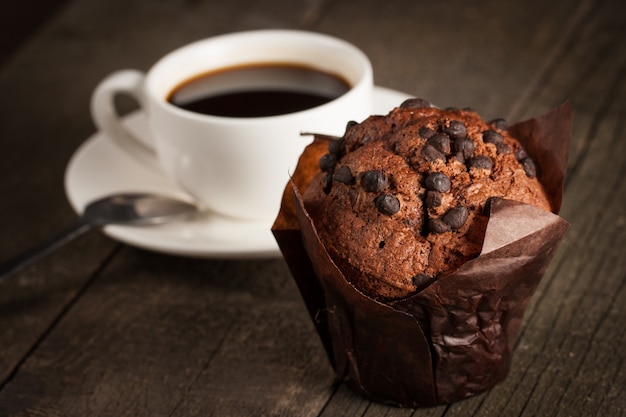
<point>483,55</point>
<point>588,33</point>
<point>253,363</point>
<point>572,332</point>
<point>40,132</point>
<point>587,72</point>
<point>125,345</point>
<point>107,331</point>
<point>20,21</point>
<point>510,398</point>
<point>125,363</point>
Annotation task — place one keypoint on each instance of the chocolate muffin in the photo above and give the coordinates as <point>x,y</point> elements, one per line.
<point>416,241</point>
<point>402,199</point>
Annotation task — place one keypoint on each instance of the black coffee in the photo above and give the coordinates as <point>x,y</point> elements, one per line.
<point>258,90</point>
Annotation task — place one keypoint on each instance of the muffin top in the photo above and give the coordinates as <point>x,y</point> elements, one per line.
<point>401,200</point>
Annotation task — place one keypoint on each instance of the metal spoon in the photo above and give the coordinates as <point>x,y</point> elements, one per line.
<point>123,209</point>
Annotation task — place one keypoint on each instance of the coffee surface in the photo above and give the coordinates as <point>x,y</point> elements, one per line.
<point>258,90</point>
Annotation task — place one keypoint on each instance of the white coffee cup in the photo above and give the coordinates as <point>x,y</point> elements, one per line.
<point>234,166</point>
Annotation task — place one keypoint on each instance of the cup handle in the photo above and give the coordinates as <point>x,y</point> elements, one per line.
<point>107,120</point>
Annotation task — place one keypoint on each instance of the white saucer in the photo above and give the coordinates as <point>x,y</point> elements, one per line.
<point>99,167</point>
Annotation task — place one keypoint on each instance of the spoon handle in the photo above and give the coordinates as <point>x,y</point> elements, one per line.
<point>13,265</point>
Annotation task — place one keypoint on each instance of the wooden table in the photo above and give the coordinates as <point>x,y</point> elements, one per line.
<point>104,328</point>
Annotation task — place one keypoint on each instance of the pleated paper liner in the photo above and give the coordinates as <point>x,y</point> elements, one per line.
<point>453,339</point>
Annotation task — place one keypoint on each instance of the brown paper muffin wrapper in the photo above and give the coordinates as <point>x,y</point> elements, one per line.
<point>454,338</point>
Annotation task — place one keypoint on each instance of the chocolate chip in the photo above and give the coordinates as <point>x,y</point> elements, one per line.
<point>441,142</point>
<point>481,161</point>
<point>499,123</point>
<point>421,281</point>
<point>414,103</point>
<point>336,146</point>
<point>426,132</point>
<point>529,167</point>
<point>374,181</point>
<point>433,199</point>
<point>456,217</point>
<point>465,147</point>
<point>328,162</point>
<point>438,181</point>
<point>344,175</point>
<point>438,226</point>
<point>387,204</point>
<point>520,154</point>
<point>503,148</point>
<point>456,130</point>
<point>351,124</point>
<point>432,154</point>
<point>491,136</point>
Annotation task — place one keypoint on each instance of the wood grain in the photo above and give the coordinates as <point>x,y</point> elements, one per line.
<point>101,328</point>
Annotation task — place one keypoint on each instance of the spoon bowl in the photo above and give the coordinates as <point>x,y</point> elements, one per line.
<point>136,209</point>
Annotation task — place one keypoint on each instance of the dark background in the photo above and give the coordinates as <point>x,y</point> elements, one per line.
<point>20,19</point>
